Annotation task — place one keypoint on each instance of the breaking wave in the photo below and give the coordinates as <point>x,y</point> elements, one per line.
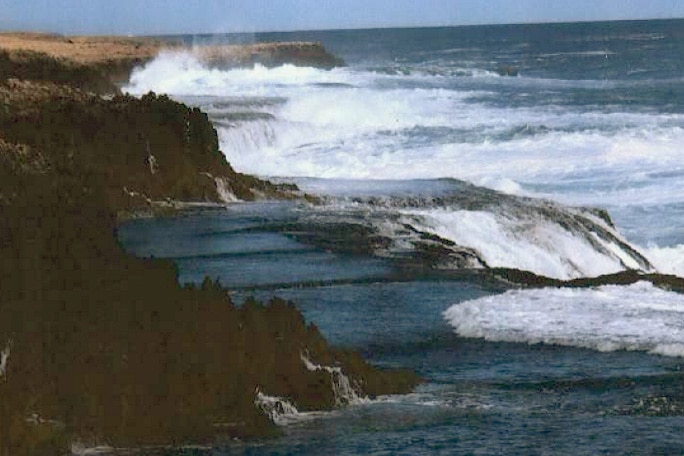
<point>639,317</point>
<point>452,225</point>
<point>367,124</point>
<point>356,123</point>
<point>546,247</point>
<point>667,260</point>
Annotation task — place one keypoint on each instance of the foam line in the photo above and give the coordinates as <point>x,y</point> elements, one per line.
<point>637,317</point>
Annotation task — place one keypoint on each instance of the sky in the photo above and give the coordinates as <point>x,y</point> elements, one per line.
<point>150,17</point>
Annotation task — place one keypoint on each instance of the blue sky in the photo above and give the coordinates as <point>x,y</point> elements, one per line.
<point>216,16</point>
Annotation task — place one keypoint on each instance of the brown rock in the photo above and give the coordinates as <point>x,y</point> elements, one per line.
<point>106,348</point>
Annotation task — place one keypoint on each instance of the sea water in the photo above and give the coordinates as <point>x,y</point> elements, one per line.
<point>437,153</point>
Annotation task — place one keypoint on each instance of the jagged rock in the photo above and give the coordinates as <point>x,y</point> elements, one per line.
<point>109,348</point>
<point>123,140</point>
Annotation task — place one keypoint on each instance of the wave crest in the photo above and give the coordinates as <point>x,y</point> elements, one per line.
<point>638,317</point>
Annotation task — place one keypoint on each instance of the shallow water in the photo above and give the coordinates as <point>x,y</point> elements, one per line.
<point>479,396</point>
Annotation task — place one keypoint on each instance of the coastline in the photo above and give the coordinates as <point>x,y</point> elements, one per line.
<point>108,349</point>
<point>101,64</point>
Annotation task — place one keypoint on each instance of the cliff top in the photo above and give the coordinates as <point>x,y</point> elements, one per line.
<point>83,49</point>
<point>105,50</point>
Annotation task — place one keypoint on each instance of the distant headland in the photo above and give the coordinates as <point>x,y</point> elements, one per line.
<point>99,63</point>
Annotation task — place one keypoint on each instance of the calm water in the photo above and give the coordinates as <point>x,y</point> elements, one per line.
<point>420,146</point>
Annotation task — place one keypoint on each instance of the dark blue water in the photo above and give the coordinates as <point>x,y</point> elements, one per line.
<point>641,63</point>
<point>593,116</point>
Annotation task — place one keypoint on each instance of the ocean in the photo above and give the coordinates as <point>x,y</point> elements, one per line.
<point>436,156</point>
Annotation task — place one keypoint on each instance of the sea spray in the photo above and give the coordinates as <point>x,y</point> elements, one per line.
<point>279,410</point>
<point>223,190</point>
<point>668,260</point>
<point>343,390</point>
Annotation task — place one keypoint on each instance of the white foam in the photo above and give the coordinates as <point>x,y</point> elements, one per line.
<point>667,260</point>
<point>583,167</point>
<point>224,192</point>
<point>4,358</point>
<point>247,138</point>
<point>365,134</point>
<point>343,390</point>
<point>364,129</point>
<point>502,184</point>
<point>182,73</point>
<point>637,317</point>
<point>279,410</point>
<point>539,246</point>
<point>576,139</point>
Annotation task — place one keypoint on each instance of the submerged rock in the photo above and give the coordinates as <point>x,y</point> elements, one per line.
<point>627,277</point>
<point>507,70</point>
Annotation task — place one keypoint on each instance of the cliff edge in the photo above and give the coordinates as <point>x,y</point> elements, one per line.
<point>100,348</point>
<point>100,64</point>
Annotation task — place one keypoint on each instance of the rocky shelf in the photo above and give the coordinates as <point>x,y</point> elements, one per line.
<point>99,347</point>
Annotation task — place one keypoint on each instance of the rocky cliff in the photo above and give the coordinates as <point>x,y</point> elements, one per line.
<point>141,150</point>
<point>92,63</point>
<point>103,348</point>
<point>99,64</point>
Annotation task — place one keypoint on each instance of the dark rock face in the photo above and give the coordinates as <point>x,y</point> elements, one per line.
<point>141,149</point>
<point>104,348</point>
<point>36,66</point>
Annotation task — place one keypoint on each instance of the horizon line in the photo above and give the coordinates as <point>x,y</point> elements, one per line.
<point>360,28</point>
<point>487,24</point>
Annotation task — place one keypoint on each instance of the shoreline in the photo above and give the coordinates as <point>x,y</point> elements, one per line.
<point>101,64</point>
<point>105,348</point>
